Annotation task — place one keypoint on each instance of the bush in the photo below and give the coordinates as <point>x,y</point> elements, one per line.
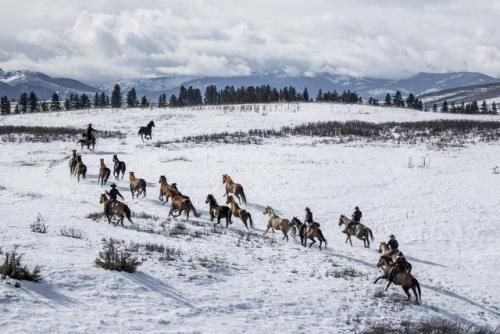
<point>72,232</point>
<point>10,133</point>
<point>13,268</point>
<point>114,258</point>
<point>432,326</point>
<point>347,272</point>
<point>39,225</point>
<point>95,216</point>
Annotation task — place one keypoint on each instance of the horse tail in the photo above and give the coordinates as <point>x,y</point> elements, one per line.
<point>107,174</point>
<point>128,213</point>
<point>371,233</point>
<point>291,226</point>
<point>84,171</point>
<point>415,282</point>
<point>320,234</point>
<point>196,214</point>
<point>243,197</point>
<point>140,131</point>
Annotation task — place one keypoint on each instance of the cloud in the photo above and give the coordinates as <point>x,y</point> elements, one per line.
<point>106,40</point>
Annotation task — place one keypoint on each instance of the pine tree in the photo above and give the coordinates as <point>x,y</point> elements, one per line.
<point>45,106</point>
<point>444,107</point>
<point>173,102</point>
<point>5,105</point>
<point>85,101</point>
<point>144,102</point>
<point>319,97</point>
<point>33,102</point>
<point>305,95</point>
<point>103,100</point>
<point>388,100</point>
<point>494,108</point>
<point>55,104</point>
<point>23,102</point>
<point>484,107</point>
<point>96,100</point>
<point>16,109</point>
<point>116,97</point>
<point>67,104</point>
<point>410,101</point>
<point>132,99</point>
<point>434,107</point>
<point>398,99</point>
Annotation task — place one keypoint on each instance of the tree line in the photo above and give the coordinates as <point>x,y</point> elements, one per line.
<point>191,96</point>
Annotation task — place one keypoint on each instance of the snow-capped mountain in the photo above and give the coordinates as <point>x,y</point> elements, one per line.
<point>13,83</point>
<point>418,84</point>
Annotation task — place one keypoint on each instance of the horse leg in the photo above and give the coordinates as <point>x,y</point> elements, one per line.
<point>267,229</point>
<point>388,285</point>
<point>378,278</point>
<point>406,290</point>
<point>313,242</point>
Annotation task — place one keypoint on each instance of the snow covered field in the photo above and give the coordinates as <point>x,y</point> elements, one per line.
<point>445,217</point>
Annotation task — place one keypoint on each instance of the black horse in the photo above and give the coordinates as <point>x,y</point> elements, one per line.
<point>85,141</point>
<point>218,211</point>
<point>145,131</point>
<point>302,227</point>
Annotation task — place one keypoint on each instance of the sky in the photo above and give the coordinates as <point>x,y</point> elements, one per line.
<point>100,41</point>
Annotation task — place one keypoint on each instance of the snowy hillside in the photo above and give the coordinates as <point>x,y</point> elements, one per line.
<point>444,213</point>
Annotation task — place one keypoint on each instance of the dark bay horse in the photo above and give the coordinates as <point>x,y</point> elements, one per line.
<point>146,131</point>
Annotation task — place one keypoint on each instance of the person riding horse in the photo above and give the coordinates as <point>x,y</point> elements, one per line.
<point>90,132</point>
<point>393,243</point>
<point>113,195</point>
<point>356,219</point>
<point>308,219</point>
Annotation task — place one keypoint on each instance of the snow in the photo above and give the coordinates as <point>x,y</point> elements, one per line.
<point>444,216</point>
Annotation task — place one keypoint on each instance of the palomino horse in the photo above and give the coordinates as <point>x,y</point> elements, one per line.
<point>72,163</point>
<point>236,211</point>
<point>146,131</point>
<point>119,167</point>
<point>115,208</point>
<point>360,231</point>
<point>137,186</point>
<point>218,211</point>
<point>395,255</point>
<point>80,168</point>
<point>309,233</point>
<point>104,173</point>
<point>181,203</point>
<point>275,222</point>
<point>234,188</point>
<point>395,273</point>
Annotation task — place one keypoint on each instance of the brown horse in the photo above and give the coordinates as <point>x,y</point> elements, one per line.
<point>395,273</point>
<point>104,173</point>
<point>311,233</point>
<point>115,208</point>
<point>72,163</point>
<point>167,190</point>
<point>236,211</point>
<point>119,167</point>
<point>275,222</point>
<point>137,186</point>
<point>360,231</point>
<point>80,168</point>
<point>395,255</point>
<point>181,203</point>
<point>234,188</point>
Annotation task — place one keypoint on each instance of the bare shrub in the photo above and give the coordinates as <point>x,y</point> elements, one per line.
<point>13,268</point>
<point>39,225</point>
<point>144,215</point>
<point>432,326</point>
<point>11,133</point>
<point>72,232</point>
<point>113,257</point>
<point>347,272</point>
<point>95,216</point>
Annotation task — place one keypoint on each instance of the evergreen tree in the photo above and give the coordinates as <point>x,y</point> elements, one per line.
<point>144,102</point>
<point>398,99</point>
<point>319,97</point>
<point>444,107</point>
<point>132,99</point>
<point>33,102</point>
<point>44,106</point>
<point>116,97</point>
<point>434,107</point>
<point>484,107</point>
<point>173,102</point>
<point>5,105</point>
<point>67,104</point>
<point>23,102</point>
<point>55,104</point>
<point>162,101</point>
<point>96,100</point>
<point>494,108</point>
<point>388,100</point>
<point>305,95</point>
<point>103,100</point>
<point>16,109</point>
<point>410,101</point>
<point>85,101</point>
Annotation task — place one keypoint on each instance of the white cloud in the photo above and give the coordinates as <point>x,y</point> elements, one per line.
<point>105,40</point>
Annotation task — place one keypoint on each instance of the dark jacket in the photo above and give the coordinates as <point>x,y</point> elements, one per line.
<point>393,244</point>
<point>114,193</point>
<point>309,217</point>
<point>356,216</point>
<point>90,131</point>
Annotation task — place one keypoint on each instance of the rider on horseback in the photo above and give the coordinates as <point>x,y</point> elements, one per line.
<point>90,131</point>
<point>308,219</point>
<point>393,243</point>
<point>356,219</point>
<point>113,195</point>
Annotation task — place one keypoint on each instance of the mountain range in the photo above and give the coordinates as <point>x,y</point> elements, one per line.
<point>14,83</point>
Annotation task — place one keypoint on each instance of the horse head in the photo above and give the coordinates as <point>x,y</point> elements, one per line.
<point>210,199</point>
<point>268,211</point>
<point>229,199</point>
<point>163,179</point>
<point>151,124</point>
<point>342,219</point>
<point>103,198</point>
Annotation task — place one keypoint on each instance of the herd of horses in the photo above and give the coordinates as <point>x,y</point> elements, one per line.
<point>396,269</point>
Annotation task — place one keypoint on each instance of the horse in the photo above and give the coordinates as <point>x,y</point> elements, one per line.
<point>236,211</point>
<point>137,186</point>
<point>87,142</point>
<point>218,211</point>
<point>309,233</point>
<point>275,222</point>
<point>115,208</point>
<point>395,273</point>
<point>72,163</point>
<point>360,231</point>
<point>146,131</point>
<point>80,168</point>
<point>119,167</point>
<point>234,188</point>
<point>395,255</point>
<point>167,190</point>
<point>104,173</point>
<point>182,203</point>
